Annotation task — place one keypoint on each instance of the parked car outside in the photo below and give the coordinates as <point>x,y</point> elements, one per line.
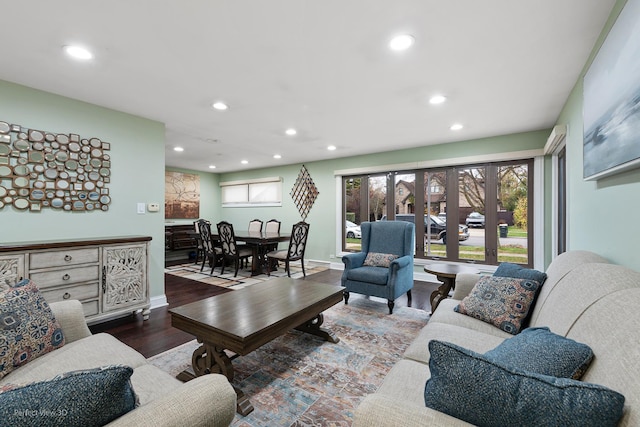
<point>353,231</point>
<point>438,228</point>
<point>475,219</point>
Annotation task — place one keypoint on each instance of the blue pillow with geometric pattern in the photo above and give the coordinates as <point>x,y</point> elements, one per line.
<point>473,388</point>
<point>86,398</point>
<point>27,325</point>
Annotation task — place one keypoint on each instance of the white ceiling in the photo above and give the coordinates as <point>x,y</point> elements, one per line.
<point>322,67</point>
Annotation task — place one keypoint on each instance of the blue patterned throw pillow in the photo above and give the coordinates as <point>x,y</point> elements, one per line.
<point>502,301</point>
<point>470,387</point>
<point>27,325</point>
<point>375,259</point>
<point>541,351</point>
<point>92,397</point>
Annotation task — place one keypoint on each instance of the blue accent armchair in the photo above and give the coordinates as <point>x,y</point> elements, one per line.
<point>382,237</point>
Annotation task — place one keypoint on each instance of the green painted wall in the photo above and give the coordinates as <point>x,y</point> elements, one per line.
<point>137,173</point>
<point>322,235</point>
<point>601,213</point>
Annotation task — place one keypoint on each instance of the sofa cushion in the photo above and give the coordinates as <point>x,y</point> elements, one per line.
<point>28,326</point>
<point>466,385</point>
<point>541,351</point>
<point>375,259</point>
<point>80,398</point>
<point>375,275</point>
<point>508,269</point>
<point>501,301</point>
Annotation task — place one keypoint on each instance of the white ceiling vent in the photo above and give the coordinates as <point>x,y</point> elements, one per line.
<point>558,133</point>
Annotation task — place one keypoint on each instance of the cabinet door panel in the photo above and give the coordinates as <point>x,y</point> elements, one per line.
<point>11,270</point>
<point>124,276</point>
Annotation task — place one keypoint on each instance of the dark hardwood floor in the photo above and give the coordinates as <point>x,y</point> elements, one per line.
<point>156,335</point>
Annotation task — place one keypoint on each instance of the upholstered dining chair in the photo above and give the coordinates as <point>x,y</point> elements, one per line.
<point>209,250</point>
<point>295,251</point>
<point>272,226</point>
<point>230,248</point>
<point>384,267</point>
<point>255,225</point>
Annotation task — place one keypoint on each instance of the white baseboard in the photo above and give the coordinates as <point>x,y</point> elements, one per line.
<point>159,301</point>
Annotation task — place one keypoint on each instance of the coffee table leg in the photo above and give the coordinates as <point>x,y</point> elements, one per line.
<point>313,327</point>
<point>441,293</point>
<point>211,359</point>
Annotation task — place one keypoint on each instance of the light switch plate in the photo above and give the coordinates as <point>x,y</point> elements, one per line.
<point>141,208</point>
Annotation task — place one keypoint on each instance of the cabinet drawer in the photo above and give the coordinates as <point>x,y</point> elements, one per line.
<point>90,308</point>
<point>81,292</point>
<point>62,258</point>
<point>65,276</point>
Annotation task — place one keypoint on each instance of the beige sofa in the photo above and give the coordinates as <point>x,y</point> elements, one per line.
<point>164,401</point>
<point>584,298</point>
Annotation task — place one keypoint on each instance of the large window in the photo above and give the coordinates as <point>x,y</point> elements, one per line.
<point>468,213</point>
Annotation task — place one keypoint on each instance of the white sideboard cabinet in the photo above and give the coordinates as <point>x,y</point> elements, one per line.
<point>108,275</point>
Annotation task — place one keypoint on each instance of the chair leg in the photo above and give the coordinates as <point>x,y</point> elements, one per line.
<point>345,294</point>
<point>303,272</point>
<point>204,259</point>
<point>287,268</point>
<point>224,261</point>
<point>390,304</point>
<point>409,298</point>
<point>268,267</point>
<point>237,266</point>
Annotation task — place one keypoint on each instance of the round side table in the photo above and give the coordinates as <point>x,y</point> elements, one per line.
<point>446,273</point>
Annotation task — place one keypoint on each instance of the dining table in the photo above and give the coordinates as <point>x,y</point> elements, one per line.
<point>259,241</point>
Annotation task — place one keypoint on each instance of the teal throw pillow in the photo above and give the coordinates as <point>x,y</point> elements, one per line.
<point>86,398</point>
<point>470,387</point>
<point>28,328</point>
<point>375,259</point>
<point>501,301</point>
<point>541,351</point>
<point>508,269</point>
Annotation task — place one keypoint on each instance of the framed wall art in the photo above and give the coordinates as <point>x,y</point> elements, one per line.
<point>611,104</point>
<point>182,195</point>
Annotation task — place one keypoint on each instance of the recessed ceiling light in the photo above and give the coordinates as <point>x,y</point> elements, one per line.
<point>212,166</point>
<point>291,131</point>
<point>178,149</point>
<point>402,42</point>
<point>456,126</point>
<point>277,156</point>
<point>437,99</point>
<point>244,162</point>
<point>78,52</point>
<point>331,147</point>
<point>220,106</point>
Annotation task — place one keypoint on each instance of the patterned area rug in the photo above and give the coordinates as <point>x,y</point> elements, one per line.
<point>300,380</point>
<point>243,279</point>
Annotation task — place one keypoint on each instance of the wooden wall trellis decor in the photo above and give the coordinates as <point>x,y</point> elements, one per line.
<point>40,169</point>
<point>304,192</point>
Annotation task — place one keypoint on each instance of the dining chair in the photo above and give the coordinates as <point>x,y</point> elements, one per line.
<point>295,251</point>
<point>199,248</point>
<point>230,248</point>
<point>272,226</point>
<point>209,250</point>
<point>255,225</point>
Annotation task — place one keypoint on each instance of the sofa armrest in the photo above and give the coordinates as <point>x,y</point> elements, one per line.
<point>208,400</point>
<point>378,410</point>
<point>70,316</point>
<point>464,283</point>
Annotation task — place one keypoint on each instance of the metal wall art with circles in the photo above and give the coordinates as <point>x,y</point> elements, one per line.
<point>40,169</point>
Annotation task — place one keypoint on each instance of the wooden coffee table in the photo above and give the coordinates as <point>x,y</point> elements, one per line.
<point>244,320</point>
